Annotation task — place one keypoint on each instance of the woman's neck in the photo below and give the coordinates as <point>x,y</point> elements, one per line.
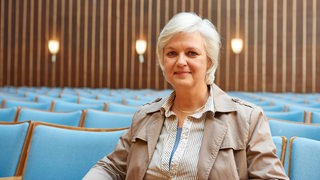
<point>191,99</point>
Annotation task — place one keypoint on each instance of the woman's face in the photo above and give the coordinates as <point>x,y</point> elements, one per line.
<point>185,60</point>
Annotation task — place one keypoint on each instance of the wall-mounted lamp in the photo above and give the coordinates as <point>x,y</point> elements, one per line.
<point>237,45</point>
<point>141,46</point>
<point>53,49</point>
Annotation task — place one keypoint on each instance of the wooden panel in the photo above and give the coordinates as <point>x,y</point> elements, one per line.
<point>97,42</point>
<point>315,6</point>
<point>2,14</point>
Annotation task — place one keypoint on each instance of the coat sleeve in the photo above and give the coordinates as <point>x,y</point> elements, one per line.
<point>262,160</point>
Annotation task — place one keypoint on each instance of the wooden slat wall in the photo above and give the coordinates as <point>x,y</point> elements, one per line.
<point>97,42</point>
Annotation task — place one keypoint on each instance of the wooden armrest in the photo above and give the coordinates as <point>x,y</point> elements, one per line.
<point>11,178</point>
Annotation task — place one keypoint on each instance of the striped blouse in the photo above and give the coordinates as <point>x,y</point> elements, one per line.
<point>184,159</point>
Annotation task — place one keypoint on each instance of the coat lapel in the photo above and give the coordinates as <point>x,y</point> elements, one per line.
<point>214,133</point>
<point>153,132</point>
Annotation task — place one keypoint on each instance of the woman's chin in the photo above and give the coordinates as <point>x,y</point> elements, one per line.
<point>182,84</point>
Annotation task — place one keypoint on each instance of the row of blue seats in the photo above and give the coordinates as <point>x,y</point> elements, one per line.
<point>44,101</point>
<point>92,93</point>
<point>69,152</point>
<point>285,108</point>
<point>66,102</point>
<point>281,101</point>
<point>308,99</point>
<point>88,118</point>
<point>289,130</point>
<point>37,150</point>
<point>82,95</point>
<point>302,160</point>
<point>269,101</point>
<point>296,116</point>
<point>65,144</point>
<point>63,106</point>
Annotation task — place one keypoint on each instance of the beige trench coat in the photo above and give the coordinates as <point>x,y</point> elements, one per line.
<point>236,144</point>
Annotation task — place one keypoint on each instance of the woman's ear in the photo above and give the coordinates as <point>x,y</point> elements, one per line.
<point>209,63</point>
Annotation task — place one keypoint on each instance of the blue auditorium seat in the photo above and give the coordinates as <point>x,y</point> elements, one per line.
<point>107,98</point>
<point>63,106</point>
<point>281,146</point>
<point>85,100</point>
<point>290,129</point>
<point>304,162</point>
<point>69,97</point>
<point>134,102</point>
<point>12,141</point>
<point>296,116</point>
<point>63,118</point>
<point>8,96</point>
<point>104,119</point>
<point>64,152</point>
<point>274,108</point>
<point>116,107</point>
<point>27,104</point>
<point>8,114</point>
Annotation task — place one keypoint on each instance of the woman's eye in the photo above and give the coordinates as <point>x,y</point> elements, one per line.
<point>192,53</point>
<point>171,54</point>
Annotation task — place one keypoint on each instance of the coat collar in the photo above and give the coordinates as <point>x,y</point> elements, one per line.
<point>222,101</point>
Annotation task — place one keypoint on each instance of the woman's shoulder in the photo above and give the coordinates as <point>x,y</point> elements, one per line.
<point>244,105</point>
<point>151,106</point>
<point>148,109</point>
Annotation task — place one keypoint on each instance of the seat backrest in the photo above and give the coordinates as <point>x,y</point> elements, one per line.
<point>107,98</point>
<point>85,100</point>
<point>45,99</point>
<point>290,129</point>
<point>149,98</point>
<point>103,119</point>
<point>87,95</point>
<point>11,96</point>
<point>8,114</point>
<point>62,106</point>
<point>31,95</point>
<point>296,116</point>
<point>116,107</point>
<point>134,102</point>
<point>293,107</point>
<point>262,103</point>
<point>64,152</point>
<point>13,138</point>
<point>281,146</point>
<point>64,118</point>
<point>28,104</point>
<point>274,108</point>
<point>69,97</point>
<point>304,160</point>
<point>53,93</point>
<point>314,104</point>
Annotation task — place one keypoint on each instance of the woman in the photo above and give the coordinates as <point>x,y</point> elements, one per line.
<point>198,132</point>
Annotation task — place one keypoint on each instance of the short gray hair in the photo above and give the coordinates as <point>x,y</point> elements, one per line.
<point>190,22</point>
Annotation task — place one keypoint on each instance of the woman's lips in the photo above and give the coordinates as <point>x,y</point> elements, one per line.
<point>182,73</point>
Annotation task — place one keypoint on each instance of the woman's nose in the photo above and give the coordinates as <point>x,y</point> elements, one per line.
<point>182,59</point>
